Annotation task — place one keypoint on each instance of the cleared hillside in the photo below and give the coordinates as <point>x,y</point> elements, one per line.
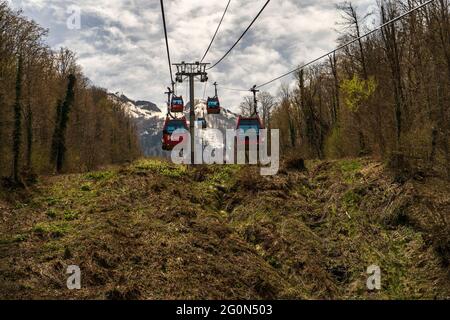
<point>153,230</point>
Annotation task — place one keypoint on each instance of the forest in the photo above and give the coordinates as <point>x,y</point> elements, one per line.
<point>386,96</point>
<point>52,118</point>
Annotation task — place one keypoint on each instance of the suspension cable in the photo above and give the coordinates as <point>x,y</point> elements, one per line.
<point>167,42</point>
<point>240,38</point>
<point>233,89</point>
<point>217,30</point>
<point>346,44</point>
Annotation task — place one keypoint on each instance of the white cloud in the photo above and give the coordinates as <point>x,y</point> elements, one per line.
<point>121,43</point>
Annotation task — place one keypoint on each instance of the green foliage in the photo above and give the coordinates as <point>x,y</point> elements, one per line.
<point>100,175</point>
<point>350,166</point>
<point>357,91</point>
<point>86,187</point>
<point>161,167</point>
<point>350,169</point>
<point>351,200</point>
<point>224,174</point>
<point>70,216</point>
<point>51,201</point>
<point>20,237</point>
<point>51,213</point>
<point>15,239</point>
<point>54,230</point>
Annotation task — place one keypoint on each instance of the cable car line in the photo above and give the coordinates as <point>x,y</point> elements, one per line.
<point>217,30</point>
<point>233,89</point>
<point>347,44</point>
<point>167,43</point>
<point>240,38</point>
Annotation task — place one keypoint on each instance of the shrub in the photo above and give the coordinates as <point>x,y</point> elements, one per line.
<point>357,91</point>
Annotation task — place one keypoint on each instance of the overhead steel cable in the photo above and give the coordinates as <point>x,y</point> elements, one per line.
<point>347,44</point>
<point>217,30</point>
<point>240,38</point>
<point>232,89</point>
<point>167,43</point>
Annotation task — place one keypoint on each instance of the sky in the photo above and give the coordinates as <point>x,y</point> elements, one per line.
<point>120,43</point>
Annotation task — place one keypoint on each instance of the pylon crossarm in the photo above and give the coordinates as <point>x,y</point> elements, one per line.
<point>255,100</point>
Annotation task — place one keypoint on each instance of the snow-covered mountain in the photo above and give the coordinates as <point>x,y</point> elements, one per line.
<point>225,120</point>
<point>149,120</point>
<point>138,109</point>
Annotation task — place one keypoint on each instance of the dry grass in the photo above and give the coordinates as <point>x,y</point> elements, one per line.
<point>158,231</point>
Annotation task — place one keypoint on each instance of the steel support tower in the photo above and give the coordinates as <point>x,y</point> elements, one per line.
<point>191,71</point>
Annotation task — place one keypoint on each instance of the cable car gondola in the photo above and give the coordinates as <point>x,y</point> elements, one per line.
<point>202,123</point>
<point>176,104</point>
<point>245,125</point>
<point>170,126</point>
<point>213,104</point>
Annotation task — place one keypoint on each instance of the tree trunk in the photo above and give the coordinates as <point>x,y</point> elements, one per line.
<point>59,140</point>
<point>390,40</point>
<point>29,126</point>
<point>336,102</point>
<point>17,132</point>
<point>29,131</point>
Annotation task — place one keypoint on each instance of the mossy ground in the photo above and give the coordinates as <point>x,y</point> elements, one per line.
<point>154,230</point>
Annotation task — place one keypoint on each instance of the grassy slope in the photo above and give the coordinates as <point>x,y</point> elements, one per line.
<point>157,231</point>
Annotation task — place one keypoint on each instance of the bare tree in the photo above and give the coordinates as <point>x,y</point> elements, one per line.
<point>17,133</point>
<point>267,103</point>
<point>247,107</point>
<point>353,22</point>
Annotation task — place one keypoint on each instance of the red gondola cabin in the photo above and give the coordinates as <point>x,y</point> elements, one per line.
<point>170,126</point>
<point>213,105</point>
<point>177,104</point>
<point>244,125</point>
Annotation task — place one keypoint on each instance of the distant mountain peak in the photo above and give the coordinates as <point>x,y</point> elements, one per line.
<point>138,109</point>
<point>147,105</point>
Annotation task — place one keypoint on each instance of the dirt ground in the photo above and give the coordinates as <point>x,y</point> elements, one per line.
<point>153,230</point>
